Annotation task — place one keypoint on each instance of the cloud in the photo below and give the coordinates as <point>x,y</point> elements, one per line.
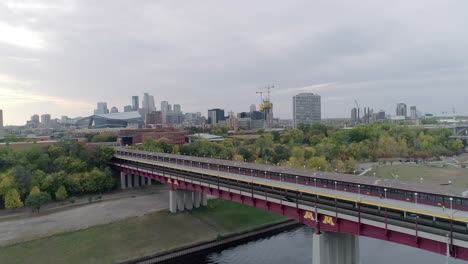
<point>218,53</point>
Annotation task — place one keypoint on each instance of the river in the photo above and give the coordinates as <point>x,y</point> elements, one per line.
<point>295,247</point>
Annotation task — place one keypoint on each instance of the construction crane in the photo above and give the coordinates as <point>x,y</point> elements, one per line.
<point>261,96</point>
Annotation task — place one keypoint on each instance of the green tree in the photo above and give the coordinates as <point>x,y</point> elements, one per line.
<point>13,200</point>
<point>36,201</point>
<point>61,194</point>
<point>34,190</point>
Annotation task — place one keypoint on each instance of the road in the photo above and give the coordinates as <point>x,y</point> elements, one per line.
<point>82,217</point>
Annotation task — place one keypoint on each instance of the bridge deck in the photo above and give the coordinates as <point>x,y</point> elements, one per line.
<point>410,207</point>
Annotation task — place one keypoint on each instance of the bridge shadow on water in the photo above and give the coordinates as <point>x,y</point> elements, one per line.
<point>295,247</point>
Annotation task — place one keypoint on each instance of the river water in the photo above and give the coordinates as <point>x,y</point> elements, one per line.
<point>295,247</point>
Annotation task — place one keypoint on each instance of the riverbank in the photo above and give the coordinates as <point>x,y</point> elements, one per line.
<point>141,236</point>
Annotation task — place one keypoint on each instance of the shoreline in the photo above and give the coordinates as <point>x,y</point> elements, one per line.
<point>180,253</point>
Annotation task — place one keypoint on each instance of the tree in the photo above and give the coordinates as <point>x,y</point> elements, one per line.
<point>238,158</point>
<point>34,190</point>
<point>13,200</point>
<point>61,194</point>
<point>36,201</point>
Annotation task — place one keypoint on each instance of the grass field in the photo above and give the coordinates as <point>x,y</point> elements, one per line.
<point>140,236</point>
<point>413,172</point>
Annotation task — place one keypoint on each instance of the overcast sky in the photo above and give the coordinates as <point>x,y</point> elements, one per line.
<point>61,57</point>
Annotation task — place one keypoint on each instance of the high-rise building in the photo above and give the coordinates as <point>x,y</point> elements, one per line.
<point>1,119</point>
<point>164,109</point>
<point>232,123</point>
<point>413,113</point>
<point>128,108</point>
<point>169,107</point>
<point>354,115</point>
<point>148,103</point>
<point>135,103</point>
<point>101,108</point>
<point>45,119</point>
<point>153,118</point>
<point>380,115</point>
<point>177,108</point>
<point>35,118</point>
<point>114,110</point>
<point>253,108</point>
<point>215,115</point>
<point>306,109</point>
<point>401,110</point>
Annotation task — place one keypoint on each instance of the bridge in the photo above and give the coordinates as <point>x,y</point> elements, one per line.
<point>339,207</point>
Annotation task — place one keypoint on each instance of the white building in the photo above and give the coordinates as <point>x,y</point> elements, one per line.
<point>306,109</point>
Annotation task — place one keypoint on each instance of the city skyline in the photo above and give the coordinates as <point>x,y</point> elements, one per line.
<point>361,54</point>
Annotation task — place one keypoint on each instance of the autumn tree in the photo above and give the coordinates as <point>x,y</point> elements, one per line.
<point>61,194</point>
<point>34,190</point>
<point>13,200</point>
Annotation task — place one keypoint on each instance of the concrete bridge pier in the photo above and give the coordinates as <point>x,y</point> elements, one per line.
<point>123,180</point>
<point>196,199</point>
<point>173,201</point>
<point>335,248</point>
<point>204,199</point>
<point>188,200</point>
<point>180,200</point>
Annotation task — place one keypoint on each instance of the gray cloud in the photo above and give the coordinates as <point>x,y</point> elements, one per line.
<point>218,53</point>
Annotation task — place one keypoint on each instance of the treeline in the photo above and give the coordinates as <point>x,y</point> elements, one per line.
<point>57,171</point>
<point>322,147</point>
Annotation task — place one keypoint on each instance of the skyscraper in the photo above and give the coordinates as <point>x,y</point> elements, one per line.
<point>354,116</point>
<point>148,103</point>
<point>253,108</point>
<point>45,119</point>
<point>306,109</point>
<point>215,115</point>
<point>101,109</point>
<point>164,109</point>
<point>413,113</point>
<point>135,103</point>
<point>401,110</point>
<point>177,108</point>
<point>128,108</point>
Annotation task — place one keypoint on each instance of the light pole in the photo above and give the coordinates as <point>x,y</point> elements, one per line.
<point>374,174</point>
<point>451,205</point>
<point>359,191</point>
<point>335,187</point>
<point>228,168</point>
<point>319,168</point>
<point>416,198</point>
<point>421,180</point>
<point>385,192</point>
<point>354,172</point>
<point>296,179</point>
<point>315,183</point>
<point>281,179</point>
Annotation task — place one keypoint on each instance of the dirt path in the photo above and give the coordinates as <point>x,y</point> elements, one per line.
<point>82,217</point>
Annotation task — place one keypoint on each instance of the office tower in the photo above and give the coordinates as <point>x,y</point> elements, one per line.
<point>306,109</point>
<point>128,108</point>
<point>148,103</point>
<point>215,115</point>
<point>401,110</point>
<point>35,118</point>
<point>253,108</point>
<point>135,103</point>
<point>45,119</point>
<point>177,108</point>
<point>413,113</point>
<point>169,107</point>
<point>101,108</point>
<point>164,108</point>
<point>354,116</point>
<point>114,110</point>
<point>381,115</point>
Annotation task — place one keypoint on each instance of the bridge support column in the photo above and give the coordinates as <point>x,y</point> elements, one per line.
<point>173,201</point>
<point>196,199</point>
<point>129,180</point>
<point>204,199</point>
<point>123,177</point>
<point>335,248</point>
<point>188,200</point>
<point>180,200</point>
<point>136,180</point>
<point>148,181</point>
